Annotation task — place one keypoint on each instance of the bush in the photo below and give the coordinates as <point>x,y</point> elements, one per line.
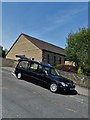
<point>67,68</point>
<point>86,70</point>
<point>80,71</point>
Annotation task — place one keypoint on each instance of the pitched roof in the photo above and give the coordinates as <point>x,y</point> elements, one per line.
<point>45,46</point>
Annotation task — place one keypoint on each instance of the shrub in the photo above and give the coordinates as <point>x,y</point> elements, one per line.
<point>80,71</point>
<point>67,68</point>
<point>86,70</point>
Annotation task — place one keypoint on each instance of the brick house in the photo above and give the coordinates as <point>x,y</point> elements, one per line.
<point>38,50</point>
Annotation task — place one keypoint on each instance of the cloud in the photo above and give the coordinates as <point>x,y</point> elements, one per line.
<point>61,18</point>
<point>68,15</point>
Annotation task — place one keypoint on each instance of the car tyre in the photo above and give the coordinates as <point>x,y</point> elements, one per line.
<point>53,87</point>
<point>19,75</point>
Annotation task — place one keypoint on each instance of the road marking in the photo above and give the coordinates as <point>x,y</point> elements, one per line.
<point>78,99</point>
<point>13,74</point>
<point>70,110</point>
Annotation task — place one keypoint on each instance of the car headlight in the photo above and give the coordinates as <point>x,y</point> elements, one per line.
<point>63,84</point>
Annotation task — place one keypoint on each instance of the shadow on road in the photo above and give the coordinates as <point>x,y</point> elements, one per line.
<point>72,92</point>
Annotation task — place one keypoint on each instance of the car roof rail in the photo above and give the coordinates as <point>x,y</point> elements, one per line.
<point>22,57</point>
<point>45,64</point>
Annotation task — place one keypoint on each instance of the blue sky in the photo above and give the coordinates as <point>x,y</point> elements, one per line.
<point>49,21</point>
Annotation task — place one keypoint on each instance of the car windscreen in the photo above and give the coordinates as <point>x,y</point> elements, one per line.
<point>49,70</point>
<point>54,72</point>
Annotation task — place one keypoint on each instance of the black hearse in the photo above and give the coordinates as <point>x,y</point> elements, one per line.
<point>44,73</point>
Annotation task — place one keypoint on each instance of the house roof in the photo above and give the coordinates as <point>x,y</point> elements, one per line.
<point>41,45</point>
<point>45,46</point>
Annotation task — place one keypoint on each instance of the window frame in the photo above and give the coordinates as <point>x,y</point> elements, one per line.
<point>48,58</point>
<point>32,68</point>
<point>60,60</point>
<point>54,60</point>
<point>24,67</point>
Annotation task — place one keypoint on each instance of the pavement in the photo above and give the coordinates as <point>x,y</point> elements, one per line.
<point>79,89</point>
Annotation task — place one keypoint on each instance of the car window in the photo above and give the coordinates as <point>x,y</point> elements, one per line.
<point>54,72</point>
<point>46,69</point>
<point>40,69</point>
<point>34,66</point>
<point>24,64</point>
<point>43,69</point>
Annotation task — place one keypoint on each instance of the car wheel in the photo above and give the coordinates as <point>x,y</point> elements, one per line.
<point>19,75</point>
<point>53,87</point>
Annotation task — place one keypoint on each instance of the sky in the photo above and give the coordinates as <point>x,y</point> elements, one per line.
<point>47,21</point>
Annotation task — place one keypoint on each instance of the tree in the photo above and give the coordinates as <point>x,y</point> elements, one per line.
<point>3,52</point>
<point>78,49</point>
<point>6,50</point>
<point>0,53</point>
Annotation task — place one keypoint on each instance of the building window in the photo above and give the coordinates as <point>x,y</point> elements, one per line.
<point>54,60</point>
<point>48,58</point>
<point>60,60</point>
<point>43,56</point>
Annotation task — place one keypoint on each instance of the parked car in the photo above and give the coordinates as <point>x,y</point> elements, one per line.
<point>44,73</point>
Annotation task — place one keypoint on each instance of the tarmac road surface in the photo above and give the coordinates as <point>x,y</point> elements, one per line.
<point>22,99</point>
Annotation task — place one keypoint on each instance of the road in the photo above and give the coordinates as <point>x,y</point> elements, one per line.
<point>22,99</point>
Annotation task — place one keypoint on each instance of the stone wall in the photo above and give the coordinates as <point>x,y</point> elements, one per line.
<point>80,80</point>
<point>8,62</point>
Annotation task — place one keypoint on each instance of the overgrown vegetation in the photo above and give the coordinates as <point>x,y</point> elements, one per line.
<point>78,50</point>
<point>66,68</point>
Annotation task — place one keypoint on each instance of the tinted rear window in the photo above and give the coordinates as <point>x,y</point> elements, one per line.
<point>24,64</point>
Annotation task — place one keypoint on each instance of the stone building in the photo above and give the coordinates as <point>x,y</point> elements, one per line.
<point>36,49</point>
